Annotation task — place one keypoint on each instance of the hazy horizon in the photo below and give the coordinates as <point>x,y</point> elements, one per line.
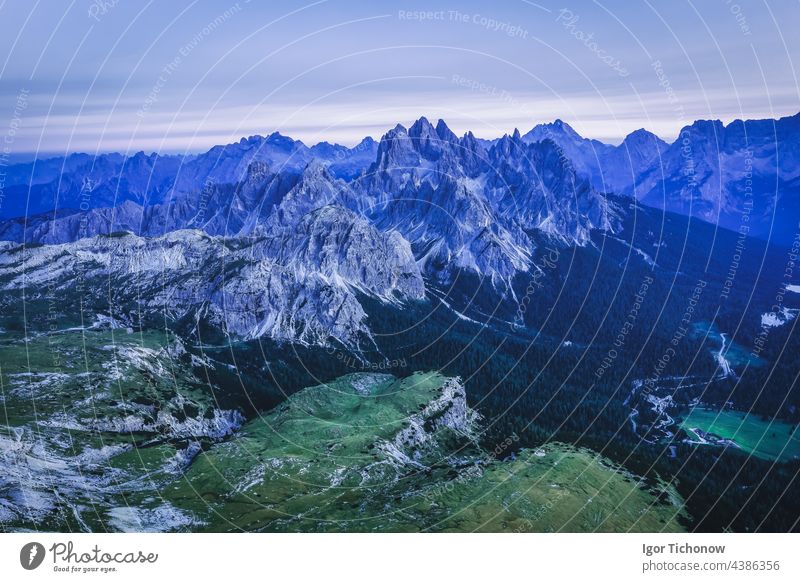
<point>23,157</point>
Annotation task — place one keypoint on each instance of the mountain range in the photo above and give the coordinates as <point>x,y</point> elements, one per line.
<point>743,177</point>
<point>571,293</point>
<point>270,238</point>
<point>284,253</point>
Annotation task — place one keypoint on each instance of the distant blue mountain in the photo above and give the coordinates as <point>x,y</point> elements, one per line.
<point>744,177</point>
<point>83,181</point>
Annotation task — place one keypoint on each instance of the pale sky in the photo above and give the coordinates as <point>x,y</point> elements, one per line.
<point>126,75</point>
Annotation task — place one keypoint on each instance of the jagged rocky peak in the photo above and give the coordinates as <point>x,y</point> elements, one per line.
<point>464,208</point>
<point>507,148</point>
<point>326,149</point>
<point>431,141</point>
<point>537,186</point>
<point>365,144</point>
<point>396,151</point>
<point>301,285</point>
<point>555,130</point>
<point>473,155</point>
<point>422,141</point>
<point>424,135</point>
<point>708,126</point>
<point>444,132</point>
<point>316,184</point>
<point>642,136</point>
<point>282,141</point>
<point>315,171</point>
<point>346,247</point>
<point>468,139</point>
<point>636,152</point>
<point>315,188</point>
<point>312,275</point>
<point>760,131</point>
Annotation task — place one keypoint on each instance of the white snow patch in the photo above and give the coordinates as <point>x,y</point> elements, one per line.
<point>778,318</point>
